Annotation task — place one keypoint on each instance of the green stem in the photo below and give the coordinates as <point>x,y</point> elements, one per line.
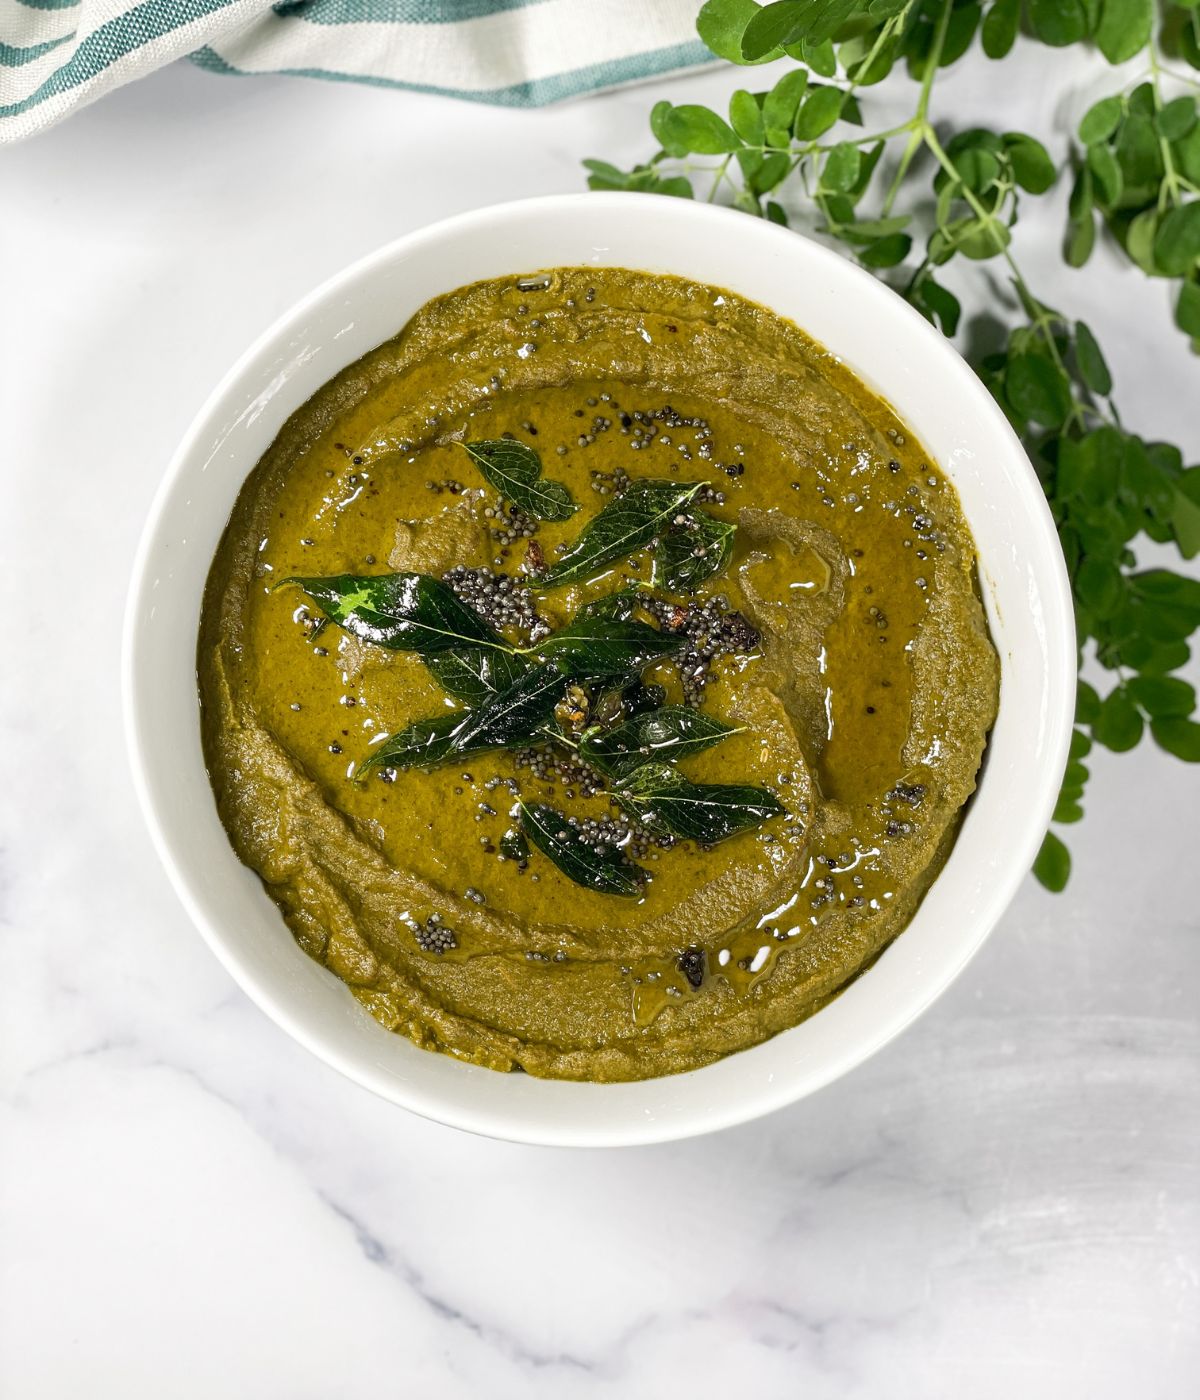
<point>915,278</point>
<point>1041,322</point>
<point>920,121</point>
<point>719,177</point>
<point>1182,78</point>
<point>870,138</point>
<point>935,57</point>
<point>1170,185</point>
<point>867,139</point>
<point>886,31</point>
<point>910,150</point>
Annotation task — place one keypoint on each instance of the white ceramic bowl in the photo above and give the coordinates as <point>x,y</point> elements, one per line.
<point>900,357</point>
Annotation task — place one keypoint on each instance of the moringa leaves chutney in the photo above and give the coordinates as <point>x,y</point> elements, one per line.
<point>628,686</point>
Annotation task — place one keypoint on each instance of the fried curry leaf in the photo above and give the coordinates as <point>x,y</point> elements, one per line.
<point>513,845</point>
<point>515,470</point>
<point>638,697</point>
<point>403,612</point>
<point>620,702</point>
<point>607,869</point>
<point>513,715</point>
<point>619,606</point>
<point>422,744</point>
<point>646,509</point>
<point>665,735</point>
<point>591,648</point>
<point>475,673</point>
<point>690,553</point>
<point>664,801</point>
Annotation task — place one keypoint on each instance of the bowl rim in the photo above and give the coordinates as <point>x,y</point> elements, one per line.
<point>780,1091</point>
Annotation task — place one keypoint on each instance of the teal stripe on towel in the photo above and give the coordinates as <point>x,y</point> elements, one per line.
<point>11,57</point>
<point>395,11</point>
<point>112,41</point>
<point>534,93</point>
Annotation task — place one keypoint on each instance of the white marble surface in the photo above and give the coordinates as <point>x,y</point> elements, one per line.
<point>1003,1203</point>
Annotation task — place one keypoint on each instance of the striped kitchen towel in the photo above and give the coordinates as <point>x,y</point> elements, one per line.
<point>57,55</point>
